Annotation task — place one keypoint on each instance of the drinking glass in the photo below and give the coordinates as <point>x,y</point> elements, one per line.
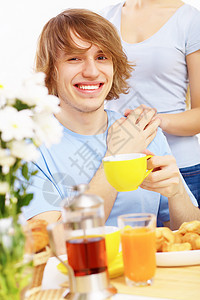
<point>138,247</point>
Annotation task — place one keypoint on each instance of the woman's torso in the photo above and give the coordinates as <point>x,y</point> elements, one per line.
<point>160,76</point>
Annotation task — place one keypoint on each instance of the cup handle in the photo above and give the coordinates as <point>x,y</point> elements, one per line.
<point>149,171</point>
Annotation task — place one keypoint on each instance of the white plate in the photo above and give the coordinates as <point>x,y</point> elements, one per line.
<point>52,278</point>
<point>178,258</point>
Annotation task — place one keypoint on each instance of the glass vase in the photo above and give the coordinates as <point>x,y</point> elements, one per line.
<point>16,258</point>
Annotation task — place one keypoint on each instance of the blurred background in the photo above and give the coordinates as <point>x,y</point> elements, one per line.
<point>21,22</point>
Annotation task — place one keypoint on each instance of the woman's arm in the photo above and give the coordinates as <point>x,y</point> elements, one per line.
<point>187,123</point>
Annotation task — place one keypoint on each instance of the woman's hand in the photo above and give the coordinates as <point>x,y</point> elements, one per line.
<point>164,121</point>
<point>133,133</point>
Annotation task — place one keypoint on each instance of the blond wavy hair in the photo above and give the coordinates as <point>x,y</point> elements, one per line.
<point>90,27</point>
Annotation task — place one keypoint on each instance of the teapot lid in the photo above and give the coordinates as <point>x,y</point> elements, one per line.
<point>84,201</point>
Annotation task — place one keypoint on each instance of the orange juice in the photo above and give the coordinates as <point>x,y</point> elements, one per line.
<point>139,253</point>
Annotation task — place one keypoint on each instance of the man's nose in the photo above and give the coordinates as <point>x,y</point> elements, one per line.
<point>90,68</point>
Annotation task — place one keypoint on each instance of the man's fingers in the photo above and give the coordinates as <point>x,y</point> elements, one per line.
<point>147,152</point>
<point>165,177</point>
<point>158,176</point>
<point>160,161</point>
<point>150,138</point>
<point>162,187</point>
<point>117,123</point>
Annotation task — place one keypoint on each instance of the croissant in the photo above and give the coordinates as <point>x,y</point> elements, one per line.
<point>163,234</point>
<point>39,234</point>
<point>187,237</point>
<point>193,226</point>
<point>167,247</point>
<point>193,239</point>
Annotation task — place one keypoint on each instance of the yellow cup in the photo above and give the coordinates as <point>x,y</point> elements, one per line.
<point>112,237</point>
<point>125,172</point>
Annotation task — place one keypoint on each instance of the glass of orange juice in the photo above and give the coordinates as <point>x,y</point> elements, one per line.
<point>138,247</point>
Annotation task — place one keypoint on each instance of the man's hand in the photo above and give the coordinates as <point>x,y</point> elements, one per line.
<point>165,177</point>
<point>133,133</point>
<point>166,180</point>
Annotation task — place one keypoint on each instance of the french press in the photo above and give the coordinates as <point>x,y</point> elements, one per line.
<point>83,222</point>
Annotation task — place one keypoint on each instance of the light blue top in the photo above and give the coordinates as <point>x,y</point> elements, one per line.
<point>160,76</point>
<point>75,160</point>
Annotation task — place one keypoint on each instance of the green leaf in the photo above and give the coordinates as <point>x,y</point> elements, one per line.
<point>34,172</point>
<point>2,205</point>
<point>25,171</point>
<point>27,198</point>
<point>19,105</point>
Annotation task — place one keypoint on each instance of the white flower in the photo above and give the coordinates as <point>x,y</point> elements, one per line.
<point>32,94</point>
<point>5,169</point>
<point>2,101</point>
<point>48,129</point>
<point>3,153</point>
<point>7,94</point>
<point>2,97</point>
<point>36,79</point>
<point>15,124</point>
<point>48,104</point>
<point>7,241</point>
<point>33,90</point>
<point>4,187</point>
<point>27,152</point>
<point>26,121</point>
<point>6,160</point>
<point>5,225</point>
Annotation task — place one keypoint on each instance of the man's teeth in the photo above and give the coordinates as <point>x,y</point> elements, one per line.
<point>88,87</point>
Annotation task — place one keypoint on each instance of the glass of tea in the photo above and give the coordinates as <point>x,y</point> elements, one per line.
<point>84,234</point>
<point>84,237</point>
<point>86,252</point>
<point>138,247</point>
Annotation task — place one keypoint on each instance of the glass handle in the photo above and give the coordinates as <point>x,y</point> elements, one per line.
<point>72,282</point>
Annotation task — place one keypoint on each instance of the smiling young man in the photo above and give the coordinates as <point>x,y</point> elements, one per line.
<point>81,54</point>
<point>85,79</point>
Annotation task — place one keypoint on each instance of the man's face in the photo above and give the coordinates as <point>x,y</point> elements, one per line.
<point>84,79</point>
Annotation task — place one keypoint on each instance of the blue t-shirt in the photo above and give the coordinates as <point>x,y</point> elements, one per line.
<point>160,76</point>
<point>75,160</point>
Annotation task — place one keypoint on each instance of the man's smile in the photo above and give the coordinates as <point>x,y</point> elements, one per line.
<point>89,87</point>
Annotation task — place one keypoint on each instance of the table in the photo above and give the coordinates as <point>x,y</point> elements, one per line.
<point>181,283</point>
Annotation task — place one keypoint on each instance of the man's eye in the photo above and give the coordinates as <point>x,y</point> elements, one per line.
<point>73,59</point>
<point>102,57</point>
